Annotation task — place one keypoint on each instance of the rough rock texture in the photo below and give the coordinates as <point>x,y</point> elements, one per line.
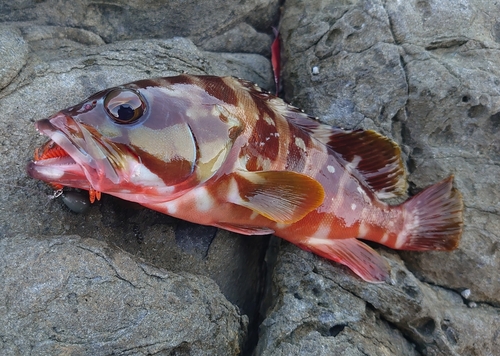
<point>14,52</point>
<point>128,19</point>
<point>68,295</point>
<point>319,308</point>
<point>426,73</point>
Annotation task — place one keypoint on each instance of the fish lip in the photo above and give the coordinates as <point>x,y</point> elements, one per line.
<point>63,130</point>
<point>83,146</point>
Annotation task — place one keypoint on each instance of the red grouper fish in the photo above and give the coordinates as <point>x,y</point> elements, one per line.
<point>220,151</point>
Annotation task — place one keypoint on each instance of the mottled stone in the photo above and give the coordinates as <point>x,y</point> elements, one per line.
<point>323,308</point>
<point>13,52</point>
<point>68,295</point>
<point>129,19</point>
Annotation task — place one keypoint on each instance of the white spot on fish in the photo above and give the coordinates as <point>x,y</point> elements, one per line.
<point>353,206</point>
<point>331,169</point>
<point>353,164</point>
<point>315,70</point>
<point>233,192</point>
<point>269,120</point>
<point>300,143</point>
<point>171,207</point>
<point>363,230</point>
<point>384,238</point>
<point>320,234</point>
<point>280,225</point>
<point>204,201</point>
<point>409,227</point>
<point>143,176</point>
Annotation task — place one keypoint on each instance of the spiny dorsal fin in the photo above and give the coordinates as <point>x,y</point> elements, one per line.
<point>378,158</point>
<point>280,196</point>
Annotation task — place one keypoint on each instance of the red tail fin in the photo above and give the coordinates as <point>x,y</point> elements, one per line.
<point>433,219</point>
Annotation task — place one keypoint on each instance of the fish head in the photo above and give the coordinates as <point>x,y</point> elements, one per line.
<point>146,141</point>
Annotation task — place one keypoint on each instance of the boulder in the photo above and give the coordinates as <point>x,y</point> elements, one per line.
<point>70,295</point>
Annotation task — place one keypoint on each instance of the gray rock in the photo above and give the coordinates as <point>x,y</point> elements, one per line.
<point>452,126</point>
<point>128,19</point>
<point>241,38</point>
<point>14,53</point>
<point>361,81</point>
<point>320,308</point>
<point>77,296</point>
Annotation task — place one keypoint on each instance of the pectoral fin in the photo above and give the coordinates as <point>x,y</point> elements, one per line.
<point>281,196</point>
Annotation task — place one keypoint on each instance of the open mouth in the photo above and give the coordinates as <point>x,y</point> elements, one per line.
<point>52,164</point>
<point>74,156</point>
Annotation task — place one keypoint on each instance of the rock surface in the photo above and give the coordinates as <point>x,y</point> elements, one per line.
<point>425,73</point>
<point>68,295</point>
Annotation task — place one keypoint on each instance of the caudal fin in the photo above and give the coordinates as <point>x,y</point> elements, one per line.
<point>433,219</point>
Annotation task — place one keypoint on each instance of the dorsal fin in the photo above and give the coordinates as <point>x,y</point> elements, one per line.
<point>377,158</point>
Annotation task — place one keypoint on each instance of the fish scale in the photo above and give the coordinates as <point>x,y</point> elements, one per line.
<point>220,151</point>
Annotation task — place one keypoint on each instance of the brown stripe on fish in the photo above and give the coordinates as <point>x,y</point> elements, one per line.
<point>172,172</point>
<point>253,163</point>
<point>219,88</point>
<point>265,137</point>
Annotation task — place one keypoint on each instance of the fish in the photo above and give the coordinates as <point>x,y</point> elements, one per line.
<point>221,151</point>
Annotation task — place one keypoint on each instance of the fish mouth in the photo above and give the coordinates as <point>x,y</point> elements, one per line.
<point>76,155</point>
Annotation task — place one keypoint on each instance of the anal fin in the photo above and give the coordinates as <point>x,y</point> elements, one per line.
<point>358,256</point>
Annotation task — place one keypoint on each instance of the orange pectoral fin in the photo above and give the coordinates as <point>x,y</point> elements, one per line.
<point>280,196</point>
<point>359,257</point>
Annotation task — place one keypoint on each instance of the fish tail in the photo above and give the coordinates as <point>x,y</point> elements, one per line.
<point>432,219</point>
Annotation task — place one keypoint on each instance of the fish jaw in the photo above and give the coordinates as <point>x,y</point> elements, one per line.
<point>59,171</point>
<point>90,163</point>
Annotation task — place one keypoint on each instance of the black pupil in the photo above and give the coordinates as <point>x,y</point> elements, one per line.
<point>125,112</point>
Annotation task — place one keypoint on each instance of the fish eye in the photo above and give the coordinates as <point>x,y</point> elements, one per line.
<point>124,106</point>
